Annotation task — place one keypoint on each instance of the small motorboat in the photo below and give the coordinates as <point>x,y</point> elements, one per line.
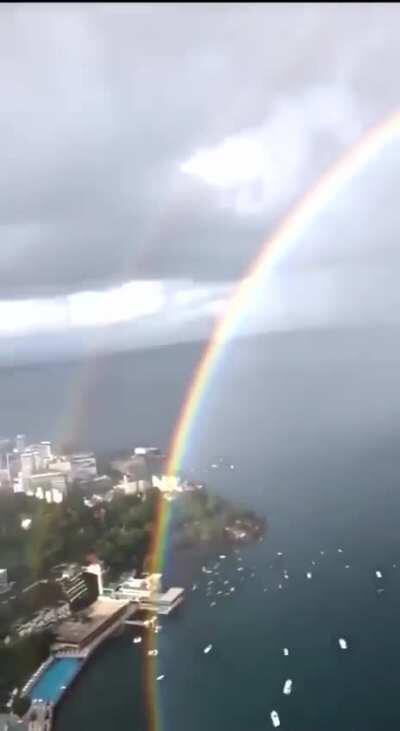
<point>287,688</point>
<point>137,640</point>
<point>275,719</point>
<point>342,643</point>
<point>207,649</point>
<point>285,651</point>
<point>378,574</point>
<point>309,575</point>
<point>152,653</point>
<point>160,677</point>
<point>222,556</point>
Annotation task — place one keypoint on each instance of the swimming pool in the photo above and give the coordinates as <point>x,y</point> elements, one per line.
<point>49,686</point>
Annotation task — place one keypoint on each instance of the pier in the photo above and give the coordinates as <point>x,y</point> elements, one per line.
<point>78,637</point>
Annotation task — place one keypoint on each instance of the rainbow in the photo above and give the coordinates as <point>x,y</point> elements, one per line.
<point>271,252</point>
<point>273,249</point>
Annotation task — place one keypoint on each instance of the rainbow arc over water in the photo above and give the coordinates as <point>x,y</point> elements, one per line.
<point>322,193</point>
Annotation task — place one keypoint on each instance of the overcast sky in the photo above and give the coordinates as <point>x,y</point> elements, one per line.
<point>147,151</point>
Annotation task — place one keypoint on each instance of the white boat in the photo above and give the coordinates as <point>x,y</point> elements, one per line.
<point>160,677</point>
<point>342,643</point>
<point>222,556</point>
<point>309,575</point>
<point>279,553</point>
<point>285,651</point>
<point>347,566</point>
<point>137,640</point>
<point>275,719</point>
<point>287,688</point>
<point>207,649</point>
<point>194,587</point>
<point>152,653</point>
<point>340,550</point>
<point>213,604</point>
<point>378,574</point>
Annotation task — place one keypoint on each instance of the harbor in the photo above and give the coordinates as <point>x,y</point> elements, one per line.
<point>78,637</point>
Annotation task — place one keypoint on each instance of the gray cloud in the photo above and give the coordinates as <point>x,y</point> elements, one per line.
<point>103,105</point>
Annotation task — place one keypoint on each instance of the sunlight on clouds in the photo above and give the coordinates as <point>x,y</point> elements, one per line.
<point>236,161</point>
<point>22,316</point>
<point>262,167</point>
<point>120,304</point>
<point>82,309</point>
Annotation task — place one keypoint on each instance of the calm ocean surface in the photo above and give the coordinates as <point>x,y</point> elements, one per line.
<point>312,424</point>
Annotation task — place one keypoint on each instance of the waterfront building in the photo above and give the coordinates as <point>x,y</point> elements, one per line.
<point>147,593</point>
<point>80,635</point>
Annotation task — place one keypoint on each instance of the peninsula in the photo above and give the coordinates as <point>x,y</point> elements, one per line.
<point>51,545</point>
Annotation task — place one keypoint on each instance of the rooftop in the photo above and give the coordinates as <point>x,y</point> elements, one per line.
<point>76,632</point>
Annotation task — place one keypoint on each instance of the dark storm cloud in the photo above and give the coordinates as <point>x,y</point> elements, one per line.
<point>101,105</point>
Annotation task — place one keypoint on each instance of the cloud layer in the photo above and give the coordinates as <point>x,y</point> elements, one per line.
<point>157,147</point>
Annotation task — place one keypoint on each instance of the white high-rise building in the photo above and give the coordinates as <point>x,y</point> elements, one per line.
<point>28,463</point>
<point>45,451</point>
<point>20,442</point>
<point>3,579</point>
